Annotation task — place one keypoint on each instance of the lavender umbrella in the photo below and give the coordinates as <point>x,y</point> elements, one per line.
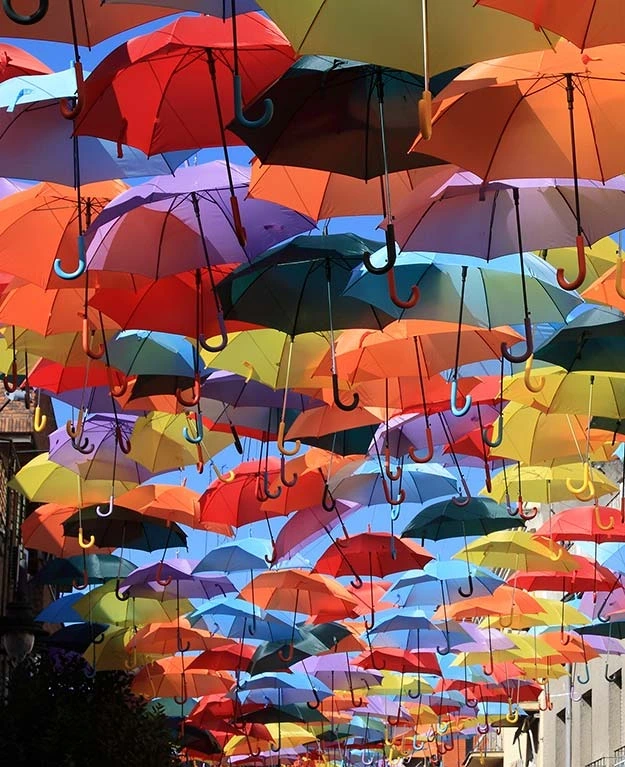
<point>185,222</point>
<point>337,672</point>
<point>175,579</point>
<point>96,453</point>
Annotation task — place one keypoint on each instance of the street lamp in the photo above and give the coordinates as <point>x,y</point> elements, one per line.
<point>18,631</point>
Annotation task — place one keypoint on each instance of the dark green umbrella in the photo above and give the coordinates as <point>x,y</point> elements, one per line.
<point>348,442</point>
<point>327,116</point>
<point>298,288</point>
<point>293,712</point>
<point>613,425</point>
<point>125,529</point>
<point>90,568</point>
<point>613,629</point>
<point>594,341</point>
<point>444,519</point>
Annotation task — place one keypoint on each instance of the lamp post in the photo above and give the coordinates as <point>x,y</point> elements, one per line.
<point>19,631</point>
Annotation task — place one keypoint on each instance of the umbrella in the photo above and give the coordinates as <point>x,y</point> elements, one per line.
<point>324,27</point>
<point>76,637</point>
<point>172,678</point>
<point>17,62</point>
<point>186,223</point>
<point>441,581</point>
<point>126,529</point>
<point>589,576</point>
<point>600,524</point>
<point>93,568</point>
<point>165,638</point>
<point>41,533</point>
<point>173,579</point>
<point>444,519</point>
<point>37,140</point>
<point>599,23</point>
<point>517,550</point>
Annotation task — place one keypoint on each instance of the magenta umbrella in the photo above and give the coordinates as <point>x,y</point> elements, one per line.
<point>184,221</point>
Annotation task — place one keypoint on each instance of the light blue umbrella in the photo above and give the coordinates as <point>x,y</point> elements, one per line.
<point>136,352</point>
<point>439,582</point>
<point>237,556</point>
<point>233,617</point>
<point>37,140</point>
<point>281,688</point>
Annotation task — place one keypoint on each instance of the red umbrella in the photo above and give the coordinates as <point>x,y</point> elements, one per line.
<point>57,378</point>
<point>396,659</point>
<point>232,656</point>
<point>591,576</point>
<point>15,62</point>
<point>599,524</point>
<point>371,554</point>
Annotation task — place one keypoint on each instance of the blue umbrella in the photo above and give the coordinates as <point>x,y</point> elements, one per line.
<point>237,556</point>
<point>280,688</point>
<point>37,140</point>
<point>153,353</point>
<point>439,582</point>
<point>62,610</point>
<point>233,617</point>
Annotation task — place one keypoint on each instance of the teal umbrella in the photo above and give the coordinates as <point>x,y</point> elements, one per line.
<point>444,519</point>
<point>594,340</point>
<point>93,568</point>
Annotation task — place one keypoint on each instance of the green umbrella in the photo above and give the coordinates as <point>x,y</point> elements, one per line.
<point>613,629</point>
<point>593,340</point>
<point>125,529</point>
<point>89,568</point>
<point>293,712</point>
<point>445,519</point>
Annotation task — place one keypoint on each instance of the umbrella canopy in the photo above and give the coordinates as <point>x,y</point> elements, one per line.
<point>600,524</point>
<point>517,550</point>
<point>444,519</point>
<point>98,568</point>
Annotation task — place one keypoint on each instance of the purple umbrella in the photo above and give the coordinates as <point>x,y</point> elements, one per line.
<point>96,399</point>
<point>176,223</point>
<point>477,219</point>
<point>98,452</point>
<point>233,389</point>
<point>174,579</point>
<point>337,672</point>
<point>479,639</point>
<point>405,431</point>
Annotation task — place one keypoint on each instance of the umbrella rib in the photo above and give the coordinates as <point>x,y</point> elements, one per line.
<point>592,126</point>
<point>572,212</point>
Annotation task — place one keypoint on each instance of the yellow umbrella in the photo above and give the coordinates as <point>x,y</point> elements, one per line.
<point>526,647</point>
<point>43,481</point>
<point>548,484</point>
<point>599,258</point>
<point>286,735</point>
<point>263,355</point>
<point>101,605</point>
<point>65,348</point>
<point>564,392</point>
<point>531,436</point>
<point>517,550</point>
<point>110,654</point>
<point>393,684</point>
<point>391,34</point>
<point>158,442</point>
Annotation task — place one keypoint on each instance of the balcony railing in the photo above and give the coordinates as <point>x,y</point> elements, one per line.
<point>619,757</point>
<point>603,761</point>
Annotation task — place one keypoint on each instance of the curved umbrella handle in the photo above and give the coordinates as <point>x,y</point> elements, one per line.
<point>117,389</point>
<point>283,478</point>
<point>273,558</point>
<point>85,447</point>
<point>85,544</point>
<point>39,420</point>
<point>472,702</point>
<point>32,18</point>
<point>430,448</point>
<point>589,495</point>
<point>495,441</point>
<point>199,436</point>
<point>417,694</point>
<point>512,717</point>
<point>261,497</point>
<point>87,336</point>
<point>599,521</point>
<point>280,442</point>
<point>328,501</point>
<point>239,229</point>
<point>392,291</point>
<point>392,475</point>
<point>111,507</point>
<point>237,441</point>
<point>9,379</point>
<point>618,277</point>
<point>401,497</point>
<point>224,336</point>
<point>453,401</point>
<point>534,386</point>
<point>261,122</point>
<point>227,478</point>
<point>425,115</point>
<point>459,500</point>
<point>581,268</point>
<point>75,431</point>
<point>528,514</point>
<point>69,110</point>
<point>444,650</point>
<point>195,396</point>
<point>314,706</point>
<point>81,266</point>
<point>356,581</point>
<point>158,576</point>
<point>287,656</point>
<point>529,345</point>
<point>337,396</point>
<point>121,597</point>
<point>391,254</point>
<point>585,482</point>
<point>199,464</point>
<point>83,584</point>
<point>123,442</point>
<point>469,593</point>
<point>586,675</point>
<point>267,488</point>
<point>483,728</point>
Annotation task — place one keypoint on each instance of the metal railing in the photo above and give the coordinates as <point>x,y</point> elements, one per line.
<point>603,761</point>
<point>619,757</point>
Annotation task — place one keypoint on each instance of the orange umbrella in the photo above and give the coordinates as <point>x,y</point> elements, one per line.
<point>505,600</point>
<point>229,656</point>
<point>396,659</point>
<point>173,503</point>
<point>328,419</point>
<point>591,23</point>
<point>608,289</point>
<point>172,678</point>
<point>166,638</point>
<point>15,62</point>
<point>320,194</point>
<point>297,591</point>
<point>569,647</point>
<point>413,348</point>
<point>40,225</point>
<point>49,311</point>
<point>50,537</point>
<point>134,399</point>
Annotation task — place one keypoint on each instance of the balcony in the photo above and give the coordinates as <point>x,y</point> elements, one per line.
<point>487,751</point>
<point>619,757</point>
